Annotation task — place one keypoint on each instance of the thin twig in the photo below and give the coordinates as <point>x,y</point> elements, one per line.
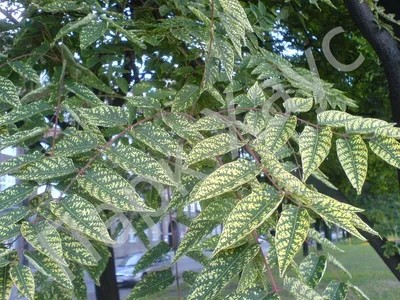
<point>24,55</point>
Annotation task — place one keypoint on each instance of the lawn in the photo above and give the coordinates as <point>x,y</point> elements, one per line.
<point>369,273</point>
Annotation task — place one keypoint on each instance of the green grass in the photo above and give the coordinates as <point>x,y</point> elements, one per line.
<point>368,271</point>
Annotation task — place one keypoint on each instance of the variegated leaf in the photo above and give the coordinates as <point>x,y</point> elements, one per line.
<point>144,102</point>
<point>84,93</point>
<point>314,147</point>
<point>365,125</point>
<point>80,289</point>
<point>8,92</point>
<point>111,188</point>
<point>206,244</point>
<point>134,160</point>
<point>47,168</point>
<point>353,156</point>
<point>199,257</point>
<point>295,105</point>
<point>23,279</point>
<point>150,256</point>
<point>248,277</point>
<point>14,164</point>
<point>80,215</point>
<point>151,284</point>
<point>75,143</point>
<point>316,236</point>
<point>49,267</point>
<point>209,123</point>
<point>157,139</point>
<point>91,33</point>
<point>248,214</point>
<point>13,216</point>
<point>75,251</point>
<point>335,118</point>
<point>312,269</point>
<point>21,136</point>
<point>388,149</point>
<point>358,223</point>
<point>210,147</point>
<point>105,115</point>
<point>24,112</point>
<point>16,194</point>
<point>196,232</point>
<point>8,232</point>
<point>217,210</point>
<point>336,291</point>
<point>337,264</point>
<point>323,178</point>
<point>300,290</point>
<point>226,55</point>
<point>26,71</point>
<point>189,277</point>
<point>291,231</point>
<point>6,283</point>
<point>393,132</point>
<point>222,268</point>
<point>182,127</point>
<point>357,290</point>
<point>253,293</point>
<point>225,179</point>
<point>44,238</point>
<point>186,97</point>
<point>96,271</point>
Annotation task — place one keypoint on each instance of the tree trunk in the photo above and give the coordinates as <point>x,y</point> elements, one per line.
<point>317,226</point>
<point>108,289</point>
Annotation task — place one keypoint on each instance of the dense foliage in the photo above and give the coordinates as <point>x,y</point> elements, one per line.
<point>114,100</point>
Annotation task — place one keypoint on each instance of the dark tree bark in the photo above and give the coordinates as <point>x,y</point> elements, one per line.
<point>108,289</point>
<point>306,249</point>
<point>317,226</point>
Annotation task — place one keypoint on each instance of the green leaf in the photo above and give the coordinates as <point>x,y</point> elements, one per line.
<point>75,143</point>
<point>21,136</point>
<point>134,160</point>
<point>225,179</point>
<point>91,33</point>
<point>312,269</point>
<point>150,256</point>
<point>186,97</point>
<point>105,115</point>
<point>300,290</point>
<point>157,139</point>
<point>335,118</point>
<point>47,168</point>
<point>27,72</point>
<point>235,9</point>
<point>151,284</point>
<point>129,34</point>
<point>109,187</point>
<point>291,231</point>
<point>182,127</point>
<point>14,164</point>
<point>23,280</point>
<point>16,194</point>
<point>75,251</point>
<point>13,216</point>
<point>96,271</point>
<point>249,214</point>
<point>254,122</point>
<point>393,132</point>
<point>226,55</point>
<point>296,105</point>
<point>80,290</point>
<point>144,102</point>
<point>9,231</point>
<point>8,92</point>
<point>84,93</point>
<point>196,232</point>
<point>336,291</point>
<point>314,147</point>
<point>24,112</point>
<point>316,236</point>
<point>323,178</point>
<point>365,125</point>
<point>217,210</point>
<point>6,283</point>
<point>388,149</point>
<point>277,133</point>
<point>80,215</point>
<point>353,156</point>
<point>211,147</point>
<point>248,277</point>
<point>44,238</point>
<point>189,277</point>
<point>49,267</point>
<point>254,293</point>
<point>222,268</point>
<point>209,123</point>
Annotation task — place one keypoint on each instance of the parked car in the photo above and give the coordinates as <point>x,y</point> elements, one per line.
<point>126,267</point>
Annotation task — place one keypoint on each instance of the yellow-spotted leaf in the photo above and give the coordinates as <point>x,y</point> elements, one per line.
<point>91,33</point>
<point>111,188</point>
<point>295,105</point>
<point>23,280</point>
<point>211,147</point>
<point>182,127</point>
<point>189,277</point>
<point>314,147</point>
<point>365,125</point>
<point>105,115</point>
<point>80,289</point>
<point>291,231</point>
<point>222,268</point>
<point>16,194</point>
<point>335,118</point>
<point>253,293</point>
<point>151,284</point>
<point>337,264</point>
<point>47,168</point>
<point>14,164</point>
<point>49,267</point>
<point>225,179</point>
<point>317,237</point>
<point>8,232</point>
<point>336,291</point>
<point>75,143</point>
<point>196,232</point>
<point>206,244</point>
<point>353,156</point>
<point>248,277</point>
<point>25,71</point>
<point>357,291</point>
<point>393,132</point>
<point>358,223</point>
<point>6,283</point>
<point>150,256</point>
<point>21,136</point>
<point>13,216</point>
<point>217,210</point>
<point>24,112</point>
<point>186,97</point>
<point>134,160</point>
<point>157,139</point>
<point>248,214</point>
<point>75,251</point>
<point>209,123</point>
<point>81,215</point>
<point>312,269</point>
<point>323,178</point>
<point>8,92</point>
<point>300,290</point>
<point>83,93</point>
<point>388,149</point>
<point>44,238</point>
<point>96,271</point>
<point>277,133</point>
